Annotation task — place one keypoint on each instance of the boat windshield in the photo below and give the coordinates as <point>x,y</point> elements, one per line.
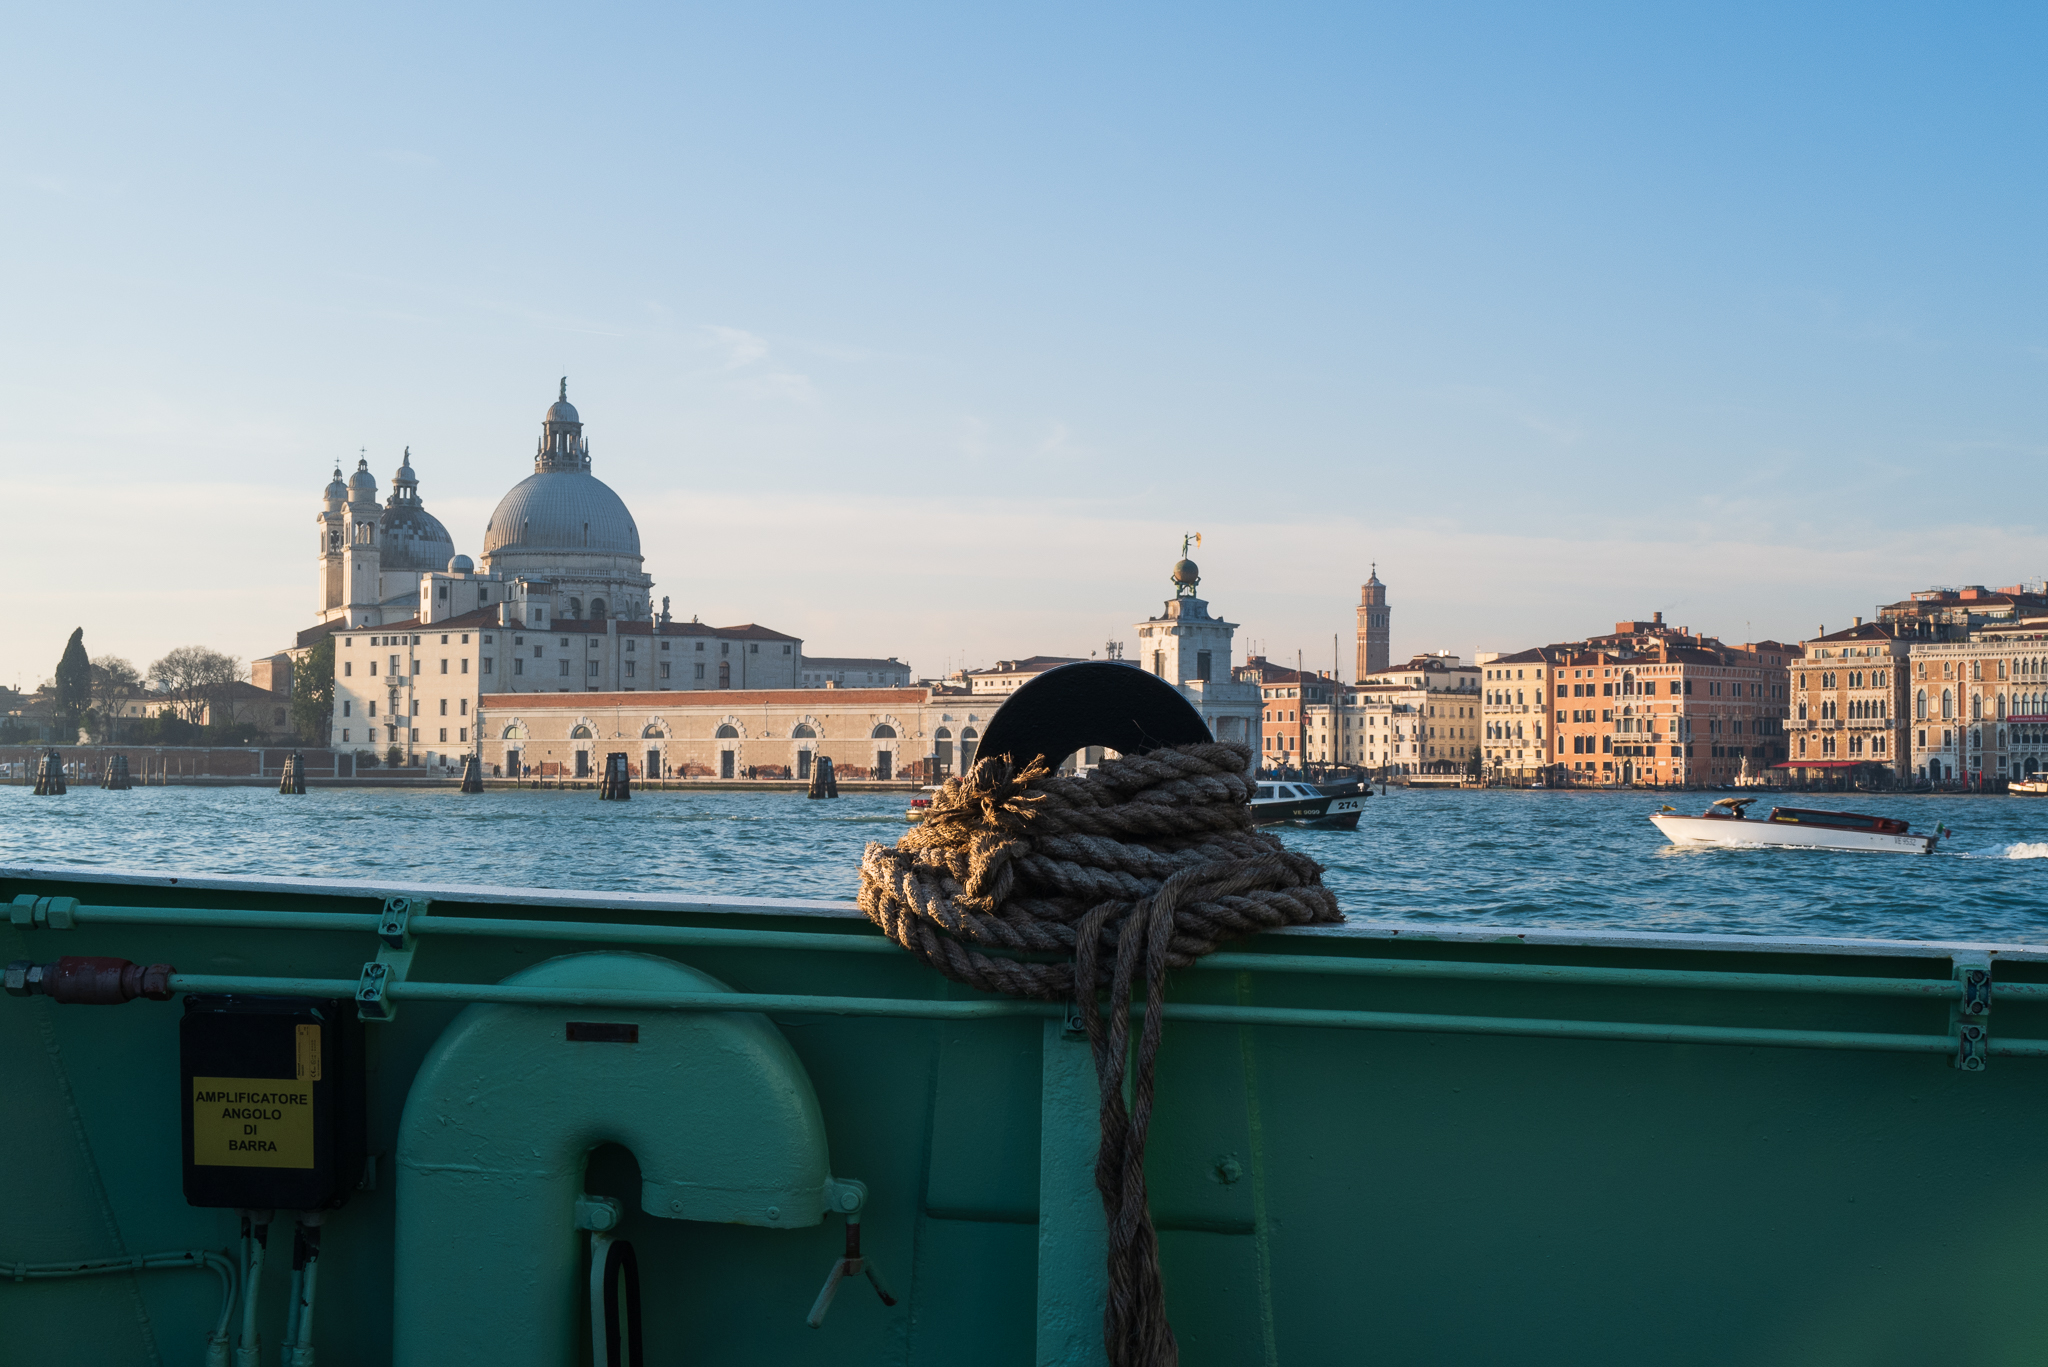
<point>1265,791</point>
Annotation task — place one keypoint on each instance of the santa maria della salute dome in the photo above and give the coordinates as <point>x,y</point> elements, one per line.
<point>560,541</point>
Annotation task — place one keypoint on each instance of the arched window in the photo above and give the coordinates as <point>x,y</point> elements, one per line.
<point>1920,704</point>
<point>1976,707</point>
<point>575,609</point>
<point>1948,704</point>
<point>942,734</point>
<point>967,744</point>
<point>803,732</point>
<point>728,732</point>
<point>652,731</point>
<point>597,609</point>
<point>883,732</point>
<point>580,733</point>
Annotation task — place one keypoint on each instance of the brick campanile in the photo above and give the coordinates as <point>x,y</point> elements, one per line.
<point>1373,634</point>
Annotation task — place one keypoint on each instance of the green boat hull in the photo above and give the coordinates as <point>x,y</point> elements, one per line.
<point>1372,1143</point>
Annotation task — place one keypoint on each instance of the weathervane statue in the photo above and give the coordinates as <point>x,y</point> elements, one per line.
<point>1185,573</point>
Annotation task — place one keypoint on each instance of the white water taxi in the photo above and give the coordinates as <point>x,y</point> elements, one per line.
<point>2028,787</point>
<point>1726,823</point>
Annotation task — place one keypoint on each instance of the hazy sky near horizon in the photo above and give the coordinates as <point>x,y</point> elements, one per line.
<point>927,330</point>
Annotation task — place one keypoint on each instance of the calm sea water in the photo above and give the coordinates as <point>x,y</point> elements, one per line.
<point>1472,857</point>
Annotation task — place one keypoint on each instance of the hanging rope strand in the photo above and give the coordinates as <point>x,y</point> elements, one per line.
<point>1150,862</point>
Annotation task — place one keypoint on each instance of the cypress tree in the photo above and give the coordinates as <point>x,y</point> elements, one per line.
<point>73,692</point>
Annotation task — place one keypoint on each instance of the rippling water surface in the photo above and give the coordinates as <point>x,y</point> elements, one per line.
<point>1474,857</point>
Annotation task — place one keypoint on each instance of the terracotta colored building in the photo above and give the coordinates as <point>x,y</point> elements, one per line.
<point>1650,703</point>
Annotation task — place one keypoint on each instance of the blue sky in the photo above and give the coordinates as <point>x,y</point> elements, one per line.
<point>926,331</point>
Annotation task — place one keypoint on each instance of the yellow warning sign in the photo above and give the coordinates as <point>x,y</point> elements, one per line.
<point>309,1053</point>
<point>254,1122</point>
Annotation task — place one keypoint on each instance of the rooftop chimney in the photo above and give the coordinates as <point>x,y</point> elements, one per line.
<point>1858,621</point>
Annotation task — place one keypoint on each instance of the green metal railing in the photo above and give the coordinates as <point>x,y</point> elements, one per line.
<point>865,942</point>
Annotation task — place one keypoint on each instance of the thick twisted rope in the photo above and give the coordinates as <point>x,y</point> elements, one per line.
<point>1149,863</point>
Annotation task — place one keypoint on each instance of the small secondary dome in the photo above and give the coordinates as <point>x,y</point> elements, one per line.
<point>336,490</point>
<point>461,564</point>
<point>363,484</point>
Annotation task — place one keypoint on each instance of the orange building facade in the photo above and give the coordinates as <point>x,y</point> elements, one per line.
<point>1647,703</point>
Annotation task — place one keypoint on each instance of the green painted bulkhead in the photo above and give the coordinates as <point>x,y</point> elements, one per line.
<point>1439,1144</point>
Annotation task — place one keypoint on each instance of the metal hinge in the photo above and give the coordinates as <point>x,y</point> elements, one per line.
<point>1970,1018</point>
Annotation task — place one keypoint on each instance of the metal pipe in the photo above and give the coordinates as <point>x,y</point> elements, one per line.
<point>1311,1017</point>
<point>302,1345</point>
<point>249,1352</point>
<point>291,1312</point>
<point>615,932</point>
<point>608,932</point>
<point>233,920</point>
<point>1937,988</point>
<point>217,1346</point>
<point>859,942</point>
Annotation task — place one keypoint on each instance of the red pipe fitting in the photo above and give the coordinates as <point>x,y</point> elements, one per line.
<point>84,980</point>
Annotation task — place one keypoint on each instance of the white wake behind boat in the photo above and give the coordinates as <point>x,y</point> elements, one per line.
<point>1727,823</point>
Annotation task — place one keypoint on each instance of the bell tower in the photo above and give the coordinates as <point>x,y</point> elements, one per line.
<point>1374,635</point>
<point>329,553</point>
<point>362,570</point>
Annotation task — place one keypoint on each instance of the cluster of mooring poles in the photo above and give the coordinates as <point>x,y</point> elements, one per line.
<point>50,776</point>
<point>294,777</point>
<point>824,783</point>
<point>615,786</point>
<point>116,778</point>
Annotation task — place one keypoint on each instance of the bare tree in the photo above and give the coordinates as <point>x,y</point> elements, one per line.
<point>114,682</point>
<point>194,676</point>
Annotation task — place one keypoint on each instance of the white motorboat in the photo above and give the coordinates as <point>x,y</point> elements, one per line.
<point>1328,806</point>
<point>1727,823</point>
<point>2028,787</point>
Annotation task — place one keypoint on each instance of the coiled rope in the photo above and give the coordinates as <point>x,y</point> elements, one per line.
<point>1150,862</point>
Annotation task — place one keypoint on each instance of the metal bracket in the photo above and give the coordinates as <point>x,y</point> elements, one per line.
<point>393,961</point>
<point>1969,1019</point>
<point>598,1214</point>
<point>845,1196</point>
<point>392,927</point>
<point>1074,1025</point>
<point>371,1003</point>
<point>29,912</point>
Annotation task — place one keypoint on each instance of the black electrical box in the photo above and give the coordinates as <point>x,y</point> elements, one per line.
<point>273,1101</point>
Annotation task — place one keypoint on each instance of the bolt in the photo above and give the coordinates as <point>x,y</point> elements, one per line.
<point>676,1207</point>
<point>849,1200</point>
<point>775,1212</point>
<point>17,978</point>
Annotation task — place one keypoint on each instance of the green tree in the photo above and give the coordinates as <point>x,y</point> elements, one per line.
<point>73,692</point>
<point>313,693</point>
